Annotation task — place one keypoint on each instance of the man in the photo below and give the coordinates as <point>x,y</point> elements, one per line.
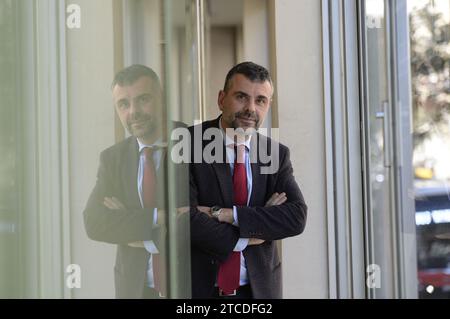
<point>237,209</point>
<point>127,204</point>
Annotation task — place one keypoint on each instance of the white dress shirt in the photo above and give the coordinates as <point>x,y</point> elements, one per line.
<point>242,242</point>
<point>149,245</point>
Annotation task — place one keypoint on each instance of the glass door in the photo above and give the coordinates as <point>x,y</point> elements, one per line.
<point>9,167</point>
<point>430,73</point>
<point>385,109</point>
<point>61,115</point>
<point>180,65</point>
<point>168,36</point>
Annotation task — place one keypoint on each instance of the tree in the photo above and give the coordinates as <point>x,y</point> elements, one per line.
<point>430,70</point>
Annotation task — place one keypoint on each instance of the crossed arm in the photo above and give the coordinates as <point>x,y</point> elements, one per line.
<point>277,219</point>
<point>227,215</point>
<point>108,220</point>
<point>113,203</point>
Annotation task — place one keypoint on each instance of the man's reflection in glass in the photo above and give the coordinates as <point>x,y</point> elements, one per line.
<point>126,206</point>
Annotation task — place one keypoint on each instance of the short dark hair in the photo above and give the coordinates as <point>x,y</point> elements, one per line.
<point>252,71</point>
<point>131,74</point>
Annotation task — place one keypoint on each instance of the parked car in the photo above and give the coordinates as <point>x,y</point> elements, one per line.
<point>433,239</point>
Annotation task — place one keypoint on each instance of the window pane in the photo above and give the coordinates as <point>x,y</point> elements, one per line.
<point>60,234</point>
<point>430,68</point>
<point>9,170</point>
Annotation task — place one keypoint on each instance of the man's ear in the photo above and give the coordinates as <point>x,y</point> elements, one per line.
<point>220,99</point>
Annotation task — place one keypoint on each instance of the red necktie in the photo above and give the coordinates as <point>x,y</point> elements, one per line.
<point>149,180</point>
<point>149,191</point>
<point>229,270</point>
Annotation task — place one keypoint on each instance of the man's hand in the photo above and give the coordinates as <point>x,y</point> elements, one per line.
<point>161,219</point>
<point>276,199</point>
<point>205,210</point>
<point>183,210</point>
<point>162,214</point>
<point>137,244</point>
<point>113,203</point>
<point>255,241</point>
<point>225,216</point>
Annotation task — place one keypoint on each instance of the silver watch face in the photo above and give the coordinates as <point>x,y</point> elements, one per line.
<point>216,211</point>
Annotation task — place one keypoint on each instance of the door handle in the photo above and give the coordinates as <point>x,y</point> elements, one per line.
<point>384,115</point>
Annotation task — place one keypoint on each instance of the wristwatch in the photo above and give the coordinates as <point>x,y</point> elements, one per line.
<point>215,211</point>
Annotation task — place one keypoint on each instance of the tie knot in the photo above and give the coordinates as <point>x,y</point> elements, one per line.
<point>148,151</point>
<point>148,156</point>
<point>240,152</point>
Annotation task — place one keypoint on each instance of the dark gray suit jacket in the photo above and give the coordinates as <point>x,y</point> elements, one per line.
<point>212,241</point>
<point>117,176</point>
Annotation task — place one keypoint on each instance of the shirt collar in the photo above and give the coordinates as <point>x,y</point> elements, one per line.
<point>229,141</point>
<point>158,144</point>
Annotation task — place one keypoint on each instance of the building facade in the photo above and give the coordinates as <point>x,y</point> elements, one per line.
<point>343,104</point>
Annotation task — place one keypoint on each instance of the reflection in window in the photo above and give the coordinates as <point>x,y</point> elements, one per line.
<point>430,68</point>
<point>8,162</point>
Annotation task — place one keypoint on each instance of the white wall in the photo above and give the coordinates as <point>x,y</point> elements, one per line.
<point>90,63</point>
<point>255,31</point>
<point>255,39</point>
<point>142,33</point>
<point>223,50</point>
<point>298,47</point>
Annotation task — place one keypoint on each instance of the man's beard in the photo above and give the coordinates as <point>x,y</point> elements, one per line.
<point>146,126</point>
<point>252,116</point>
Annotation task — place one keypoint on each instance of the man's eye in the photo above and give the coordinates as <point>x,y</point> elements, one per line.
<point>144,99</point>
<point>123,105</point>
<point>241,97</point>
<point>261,102</point>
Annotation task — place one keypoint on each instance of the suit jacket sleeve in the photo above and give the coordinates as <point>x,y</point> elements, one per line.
<point>115,226</point>
<point>276,222</point>
<point>207,234</point>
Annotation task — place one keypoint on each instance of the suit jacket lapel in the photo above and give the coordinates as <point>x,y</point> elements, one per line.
<point>161,177</point>
<point>223,172</point>
<point>258,180</point>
